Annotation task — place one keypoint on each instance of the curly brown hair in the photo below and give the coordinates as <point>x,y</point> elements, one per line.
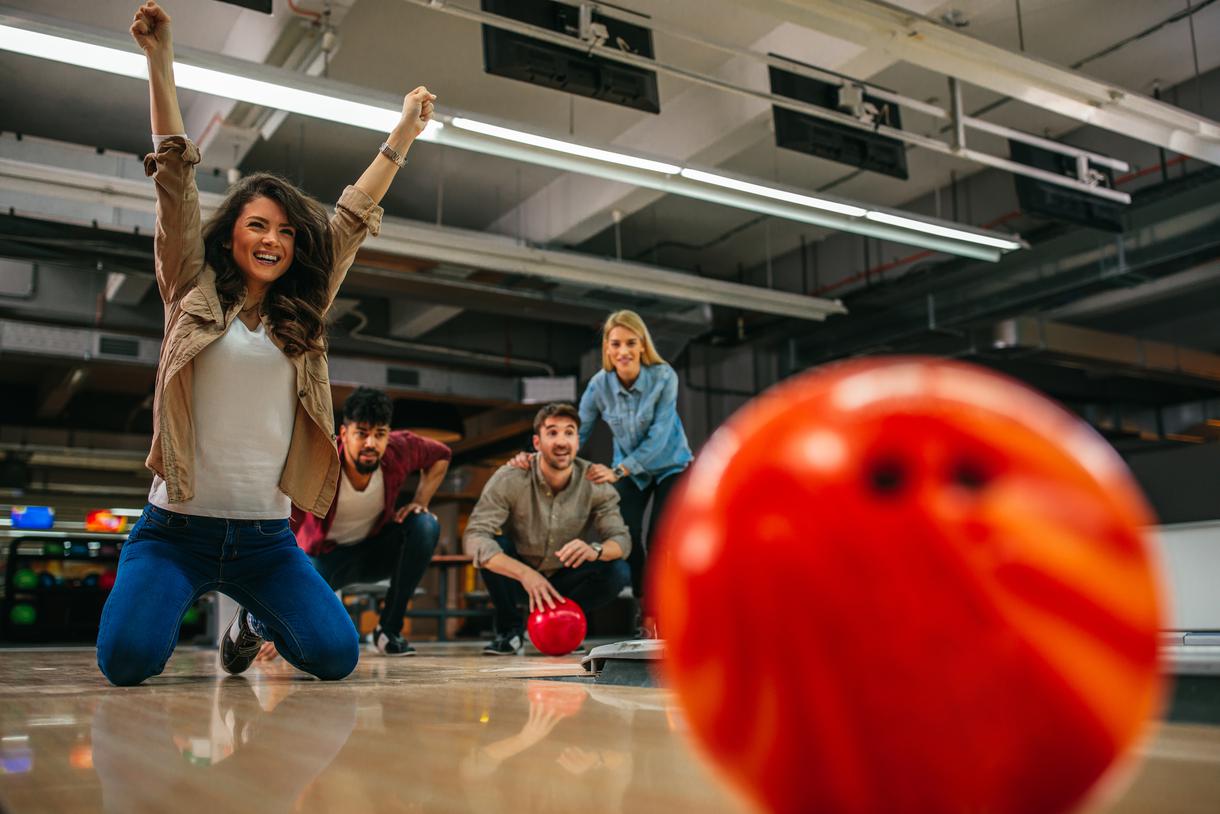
<point>295,303</point>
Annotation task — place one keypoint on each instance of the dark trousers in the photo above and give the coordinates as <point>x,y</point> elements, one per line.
<point>633,501</point>
<point>400,552</point>
<point>590,585</point>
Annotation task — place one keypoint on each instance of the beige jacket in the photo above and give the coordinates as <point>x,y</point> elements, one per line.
<point>194,319</point>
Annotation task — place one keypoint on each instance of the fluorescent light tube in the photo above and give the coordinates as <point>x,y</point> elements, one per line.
<point>943,231</point>
<point>73,52</point>
<point>206,80</point>
<point>564,146</point>
<point>771,192</point>
<point>658,174</point>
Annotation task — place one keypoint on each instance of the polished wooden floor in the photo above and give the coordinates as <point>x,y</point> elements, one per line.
<point>446,731</point>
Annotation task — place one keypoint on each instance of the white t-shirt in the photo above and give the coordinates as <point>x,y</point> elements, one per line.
<point>243,407</point>
<point>357,511</point>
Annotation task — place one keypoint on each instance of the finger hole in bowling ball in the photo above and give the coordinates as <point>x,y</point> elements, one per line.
<point>970,475</point>
<point>887,477</point>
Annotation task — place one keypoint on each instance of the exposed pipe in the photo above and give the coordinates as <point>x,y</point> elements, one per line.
<point>304,12</point>
<point>487,359</point>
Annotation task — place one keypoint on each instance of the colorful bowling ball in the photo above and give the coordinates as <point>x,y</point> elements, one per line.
<point>910,585</point>
<point>106,581</point>
<point>46,580</point>
<point>23,614</point>
<point>25,579</point>
<point>559,630</point>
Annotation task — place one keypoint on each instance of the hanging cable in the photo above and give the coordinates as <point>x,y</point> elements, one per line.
<point>1020,28</point>
<point>1194,49</point>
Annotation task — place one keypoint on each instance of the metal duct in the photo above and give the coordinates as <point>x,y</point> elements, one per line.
<point>87,344</point>
<point>1087,346</point>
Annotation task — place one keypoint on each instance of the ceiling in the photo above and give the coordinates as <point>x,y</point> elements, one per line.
<point>391,45</point>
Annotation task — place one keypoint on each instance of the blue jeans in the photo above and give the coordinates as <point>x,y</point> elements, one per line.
<point>170,559</point>
<point>400,552</point>
<point>590,585</point>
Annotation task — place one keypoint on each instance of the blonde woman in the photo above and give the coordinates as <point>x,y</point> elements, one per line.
<point>636,393</point>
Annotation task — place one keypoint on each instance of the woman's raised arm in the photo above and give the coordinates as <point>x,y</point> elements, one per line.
<point>177,245</point>
<point>151,31</point>
<point>417,108</point>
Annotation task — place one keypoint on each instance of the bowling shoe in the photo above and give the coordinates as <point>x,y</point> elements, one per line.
<point>391,644</point>
<point>507,644</point>
<point>239,645</point>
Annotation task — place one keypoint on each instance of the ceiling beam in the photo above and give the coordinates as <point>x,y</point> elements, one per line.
<point>923,41</point>
<point>61,392</point>
<point>260,84</point>
<point>453,246</point>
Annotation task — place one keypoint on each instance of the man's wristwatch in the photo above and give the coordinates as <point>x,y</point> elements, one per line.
<point>619,472</point>
<point>597,547</point>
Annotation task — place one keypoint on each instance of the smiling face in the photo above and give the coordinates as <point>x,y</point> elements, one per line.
<point>263,242</point>
<point>557,440</point>
<point>623,349</point>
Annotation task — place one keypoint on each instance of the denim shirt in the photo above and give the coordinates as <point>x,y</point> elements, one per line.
<point>649,440</point>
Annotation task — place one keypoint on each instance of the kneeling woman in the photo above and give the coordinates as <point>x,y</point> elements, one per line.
<point>243,424</point>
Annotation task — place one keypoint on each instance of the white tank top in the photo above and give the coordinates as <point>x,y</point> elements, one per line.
<point>243,406</point>
<point>356,512</point>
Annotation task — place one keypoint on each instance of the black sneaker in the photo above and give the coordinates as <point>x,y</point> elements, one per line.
<point>509,644</point>
<point>391,644</point>
<point>239,645</point>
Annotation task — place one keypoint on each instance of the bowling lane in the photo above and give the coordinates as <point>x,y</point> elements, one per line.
<point>446,731</point>
<point>1176,771</point>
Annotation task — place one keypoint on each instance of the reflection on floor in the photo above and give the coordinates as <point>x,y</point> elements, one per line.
<point>446,731</point>
<point>451,732</point>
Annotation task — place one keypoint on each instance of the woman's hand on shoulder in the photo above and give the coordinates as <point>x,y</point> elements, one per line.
<point>417,109</point>
<point>600,473</point>
<point>150,28</point>
<point>522,460</point>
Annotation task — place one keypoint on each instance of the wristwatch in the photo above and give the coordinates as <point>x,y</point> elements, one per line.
<point>392,154</point>
<point>598,548</point>
<point>619,472</point>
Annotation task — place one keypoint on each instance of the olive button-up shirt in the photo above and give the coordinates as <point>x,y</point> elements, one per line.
<point>520,504</point>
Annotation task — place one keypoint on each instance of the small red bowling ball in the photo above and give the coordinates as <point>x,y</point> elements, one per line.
<point>910,585</point>
<point>559,630</point>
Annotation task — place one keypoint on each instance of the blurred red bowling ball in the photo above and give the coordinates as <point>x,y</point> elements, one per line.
<point>559,630</point>
<point>905,585</point>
